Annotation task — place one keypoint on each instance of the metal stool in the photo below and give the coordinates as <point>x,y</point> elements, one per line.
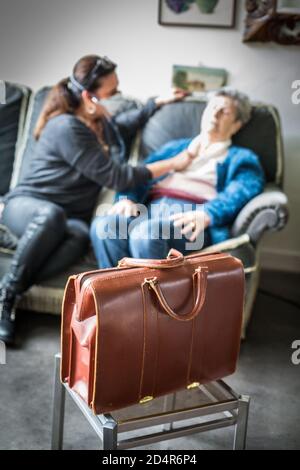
<point>213,399</point>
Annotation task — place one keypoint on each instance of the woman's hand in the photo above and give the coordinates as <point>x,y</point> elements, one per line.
<point>178,163</point>
<point>124,207</point>
<point>182,160</point>
<point>193,222</point>
<point>177,94</point>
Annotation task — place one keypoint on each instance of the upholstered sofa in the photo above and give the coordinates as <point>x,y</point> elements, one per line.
<point>267,212</point>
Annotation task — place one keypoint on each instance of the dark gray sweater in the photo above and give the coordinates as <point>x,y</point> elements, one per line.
<point>69,167</point>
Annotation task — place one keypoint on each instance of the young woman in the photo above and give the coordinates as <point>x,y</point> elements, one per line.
<point>80,149</point>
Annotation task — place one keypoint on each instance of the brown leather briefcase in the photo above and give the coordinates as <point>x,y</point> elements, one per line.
<point>151,327</point>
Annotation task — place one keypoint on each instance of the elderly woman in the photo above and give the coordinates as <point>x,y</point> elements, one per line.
<point>80,149</point>
<point>191,209</point>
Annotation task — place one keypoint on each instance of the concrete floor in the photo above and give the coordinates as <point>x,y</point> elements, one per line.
<point>265,372</point>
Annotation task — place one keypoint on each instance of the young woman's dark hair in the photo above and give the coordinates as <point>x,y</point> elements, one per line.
<point>65,97</point>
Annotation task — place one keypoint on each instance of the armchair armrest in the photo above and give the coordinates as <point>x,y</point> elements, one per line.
<point>268,211</point>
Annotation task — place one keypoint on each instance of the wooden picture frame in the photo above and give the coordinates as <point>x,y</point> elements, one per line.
<point>198,13</point>
<point>273,20</point>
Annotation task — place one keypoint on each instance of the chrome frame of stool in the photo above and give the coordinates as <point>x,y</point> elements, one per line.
<point>235,410</point>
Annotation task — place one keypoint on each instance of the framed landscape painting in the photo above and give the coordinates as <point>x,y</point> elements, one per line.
<point>198,79</point>
<point>205,13</point>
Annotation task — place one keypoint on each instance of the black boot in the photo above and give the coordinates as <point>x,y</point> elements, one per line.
<point>8,302</point>
<point>8,241</point>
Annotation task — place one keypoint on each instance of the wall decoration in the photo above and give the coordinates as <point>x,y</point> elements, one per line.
<point>273,20</point>
<point>198,79</point>
<point>209,13</point>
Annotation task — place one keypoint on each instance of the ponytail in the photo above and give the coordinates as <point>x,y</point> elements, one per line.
<point>60,100</point>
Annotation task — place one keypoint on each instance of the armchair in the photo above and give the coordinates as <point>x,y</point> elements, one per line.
<point>266,212</point>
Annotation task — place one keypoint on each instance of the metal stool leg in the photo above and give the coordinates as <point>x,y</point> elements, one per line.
<point>169,405</point>
<point>58,408</point>
<point>110,432</point>
<point>242,423</point>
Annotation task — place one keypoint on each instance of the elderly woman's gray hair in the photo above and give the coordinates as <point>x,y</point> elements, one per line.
<point>241,101</point>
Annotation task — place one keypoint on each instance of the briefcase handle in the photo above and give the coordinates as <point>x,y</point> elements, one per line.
<point>175,258</point>
<point>200,285</point>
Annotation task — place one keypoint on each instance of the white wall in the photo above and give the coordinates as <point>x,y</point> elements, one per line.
<point>41,39</point>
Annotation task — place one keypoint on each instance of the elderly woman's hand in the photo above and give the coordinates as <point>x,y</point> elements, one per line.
<point>176,94</point>
<point>124,207</point>
<point>192,222</point>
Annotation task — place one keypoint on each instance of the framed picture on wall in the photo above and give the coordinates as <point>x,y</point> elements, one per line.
<point>197,13</point>
<point>273,20</point>
<point>198,79</point>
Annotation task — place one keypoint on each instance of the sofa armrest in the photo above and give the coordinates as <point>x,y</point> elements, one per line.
<point>266,212</point>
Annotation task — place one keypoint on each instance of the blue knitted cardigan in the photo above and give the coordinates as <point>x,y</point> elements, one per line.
<point>240,177</point>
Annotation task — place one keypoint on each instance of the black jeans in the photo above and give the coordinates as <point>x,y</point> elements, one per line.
<point>48,241</point>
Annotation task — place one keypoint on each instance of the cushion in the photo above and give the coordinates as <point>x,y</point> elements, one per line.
<point>27,152</point>
<point>12,119</point>
<point>182,120</point>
